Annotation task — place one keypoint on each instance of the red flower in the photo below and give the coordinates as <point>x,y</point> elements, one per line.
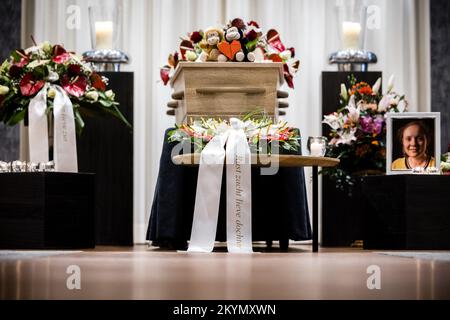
<point>58,50</point>
<point>15,71</point>
<point>164,74</point>
<point>362,88</point>
<point>74,86</point>
<point>29,86</point>
<point>73,70</point>
<point>196,37</point>
<point>97,82</point>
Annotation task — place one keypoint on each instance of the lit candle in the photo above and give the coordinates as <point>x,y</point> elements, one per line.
<point>316,149</point>
<point>351,32</point>
<point>104,35</point>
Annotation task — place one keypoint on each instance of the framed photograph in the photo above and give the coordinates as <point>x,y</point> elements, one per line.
<point>413,140</point>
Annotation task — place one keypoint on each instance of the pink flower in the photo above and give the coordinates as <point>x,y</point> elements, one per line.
<point>62,58</point>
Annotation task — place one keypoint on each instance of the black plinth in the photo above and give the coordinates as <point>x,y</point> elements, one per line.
<point>341,217</point>
<point>47,210</point>
<point>106,148</point>
<point>407,212</point>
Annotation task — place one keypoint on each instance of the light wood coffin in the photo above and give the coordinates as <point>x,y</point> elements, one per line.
<point>213,90</point>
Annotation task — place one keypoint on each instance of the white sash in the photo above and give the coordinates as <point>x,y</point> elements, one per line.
<point>206,211</point>
<point>38,127</point>
<point>65,147</point>
<point>239,191</point>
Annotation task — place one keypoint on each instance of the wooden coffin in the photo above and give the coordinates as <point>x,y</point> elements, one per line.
<point>213,90</point>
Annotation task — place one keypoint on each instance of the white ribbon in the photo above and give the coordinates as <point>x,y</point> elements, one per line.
<point>206,211</point>
<point>38,127</point>
<point>65,148</point>
<point>239,190</point>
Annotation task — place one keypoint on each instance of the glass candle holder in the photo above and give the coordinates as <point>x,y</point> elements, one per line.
<point>104,26</point>
<point>105,29</point>
<point>352,21</point>
<point>351,32</point>
<point>317,146</point>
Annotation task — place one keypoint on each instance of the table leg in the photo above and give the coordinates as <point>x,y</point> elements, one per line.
<point>315,205</point>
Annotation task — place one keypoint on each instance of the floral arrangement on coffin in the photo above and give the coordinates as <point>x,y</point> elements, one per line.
<point>260,132</point>
<point>237,41</point>
<point>358,130</point>
<point>29,71</point>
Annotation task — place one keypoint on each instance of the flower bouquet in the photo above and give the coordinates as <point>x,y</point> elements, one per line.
<point>262,134</point>
<point>237,41</point>
<point>358,130</point>
<point>48,68</point>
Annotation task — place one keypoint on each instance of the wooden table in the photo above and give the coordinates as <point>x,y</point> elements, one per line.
<point>287,161</point>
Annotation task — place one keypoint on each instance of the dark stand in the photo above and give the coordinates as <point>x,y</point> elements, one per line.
<point>47,210</point>
<point>341,224</point>
<point>406,212</point>
<point>106,148</point>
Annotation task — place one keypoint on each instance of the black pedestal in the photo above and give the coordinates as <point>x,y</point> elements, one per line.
<point>46,210</point>
<point>341,217</point>
<point>106,148</point>
<point>406,212</point>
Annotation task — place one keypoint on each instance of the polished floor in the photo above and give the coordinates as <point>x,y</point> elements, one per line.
<point>148,273</point>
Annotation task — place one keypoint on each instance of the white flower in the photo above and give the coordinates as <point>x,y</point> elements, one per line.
<point>346,137</point>
<point>52,76</point>
<point>353,113</point>
<point>36,63</point>
<point>391,84</point>
<point>402,106</point>
<point>385,103</point>
<point>51,93</point>
<point>286,54</point>
<point>333,120</point>
<point>351,102</point>
<point>92,95</point>
<point>3,90</point>
<point>344,93</point>
<point>376,87</point>
<point>47,47</point>
<point>110,94</point>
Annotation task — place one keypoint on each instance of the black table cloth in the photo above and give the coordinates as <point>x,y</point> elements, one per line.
<point>279,204</point>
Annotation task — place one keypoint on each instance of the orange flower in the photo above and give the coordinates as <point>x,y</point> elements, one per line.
<point>362,88</point>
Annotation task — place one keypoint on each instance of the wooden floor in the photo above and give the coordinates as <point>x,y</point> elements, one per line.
<point>148,273</point>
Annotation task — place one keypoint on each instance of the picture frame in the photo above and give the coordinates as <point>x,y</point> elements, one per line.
<point>421,145</point>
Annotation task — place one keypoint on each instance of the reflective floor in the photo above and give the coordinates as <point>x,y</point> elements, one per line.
<point>146,273</point>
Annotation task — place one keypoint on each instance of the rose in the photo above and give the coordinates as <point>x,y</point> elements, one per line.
<point>110,94</point>
<point>3,90</point>
<point>51,93</point>
<point>92,95</point>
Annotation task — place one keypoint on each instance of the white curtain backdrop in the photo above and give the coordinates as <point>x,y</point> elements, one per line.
<point>151,30</point>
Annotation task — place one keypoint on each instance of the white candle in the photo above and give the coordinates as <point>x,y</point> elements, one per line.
<point>316,149</point>
<point>104,35</point>
<point>351,32</point>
